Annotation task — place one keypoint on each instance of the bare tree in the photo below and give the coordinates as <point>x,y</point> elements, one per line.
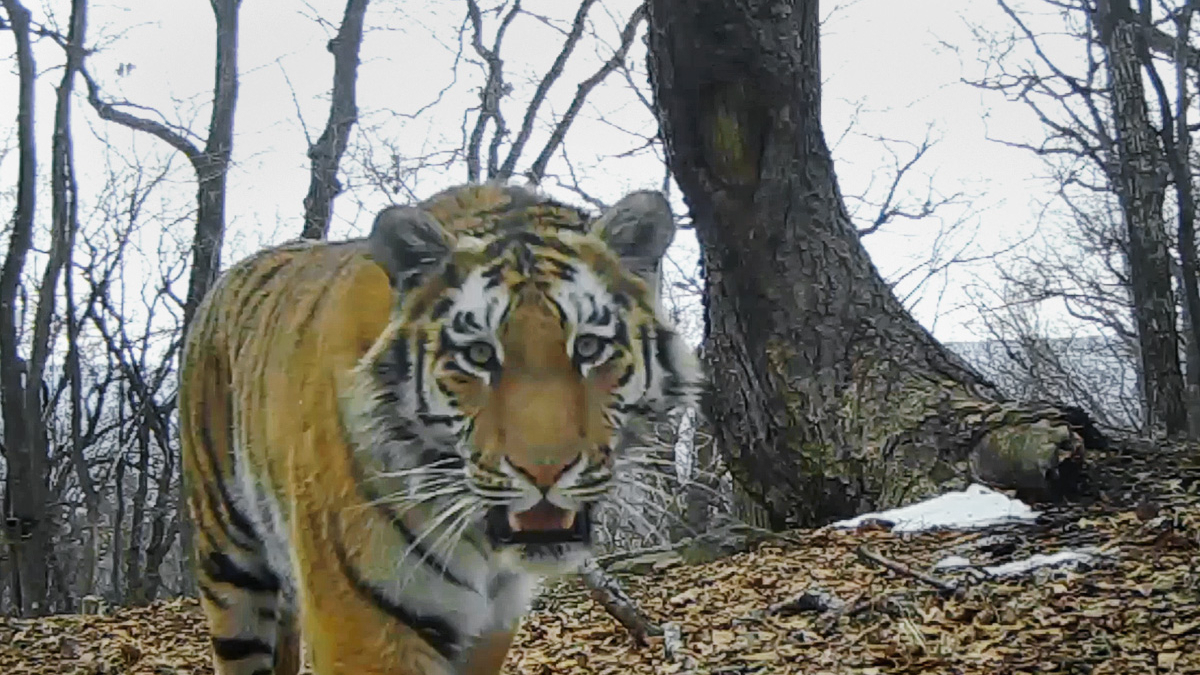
<point>1142,184</point>
<point>28,517</point>
<point>26,530</point>
<point>327,151</point>
<point>496,89</point>
<point>844,401</point>
<point>1110,135</point>
<point>210,163</point>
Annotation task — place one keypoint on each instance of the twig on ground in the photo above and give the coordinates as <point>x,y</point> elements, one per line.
<point>947,588</point>
<point>607,591</point>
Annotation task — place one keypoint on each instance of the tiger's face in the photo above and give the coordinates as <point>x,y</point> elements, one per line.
<point>529,351</point>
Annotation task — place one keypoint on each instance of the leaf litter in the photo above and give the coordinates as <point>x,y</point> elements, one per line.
<point>1107,584</point>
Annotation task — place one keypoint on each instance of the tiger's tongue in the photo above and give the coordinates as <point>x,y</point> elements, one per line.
<point>543,516</point>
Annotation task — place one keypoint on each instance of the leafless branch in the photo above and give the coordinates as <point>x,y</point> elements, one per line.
<point>326,153</point>
<point>543,88</point>
<point>538,169</point>
<point>494,90</point>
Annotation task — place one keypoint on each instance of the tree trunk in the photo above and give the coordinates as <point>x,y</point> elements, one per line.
<point>212,168</point>
<point>24,433</point>
<point>1142,184</point>
<point>700,485</point>
<point>118,544</point>
<point>326,153</point>
<point>829,397</point>
<point>1185,193</point>
<point>65,214</point>
<point>137,520</point>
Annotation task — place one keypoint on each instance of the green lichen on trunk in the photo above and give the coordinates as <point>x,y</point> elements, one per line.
<point>733,134</point>
<point>903,434</point>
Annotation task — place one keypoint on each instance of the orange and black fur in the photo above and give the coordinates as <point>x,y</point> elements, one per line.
<point>387,441</point>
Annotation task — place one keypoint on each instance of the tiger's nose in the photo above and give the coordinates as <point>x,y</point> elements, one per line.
<point>544,473</point>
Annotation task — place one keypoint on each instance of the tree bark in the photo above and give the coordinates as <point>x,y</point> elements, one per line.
<point>137,519</point>
<point>212,166</point>
<point>1142,183</point>
<point>829,398</point>
<point>326,153</point>
<point>65,215</point>
<point>24,433</point>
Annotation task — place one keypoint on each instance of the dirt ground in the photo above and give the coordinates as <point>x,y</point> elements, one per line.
<point>821,601</point>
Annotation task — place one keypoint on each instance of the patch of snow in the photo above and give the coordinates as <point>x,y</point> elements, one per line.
<point>977,506</point>
<point>952,562</point>
<point>1067,559</point>
<point>1060,559</point>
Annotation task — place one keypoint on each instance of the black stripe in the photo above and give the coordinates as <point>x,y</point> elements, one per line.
<point>493,275</point>
<point>211,595</point>
<point>255,291</point>
<point>662,349</point>
<point>235,517</point>
<point>215,500</point>
<point>268,614</point>
<point>444,420</point>
<point>433,562</point>
<point>625,377</point>
<point>647,361</point>
<point>236,649</point>
<point>441,308</point>
<point>558,309</point>
<point>621,333</point>
<point>419,370</point>
<point>439,633</point>
<point>221,568</point>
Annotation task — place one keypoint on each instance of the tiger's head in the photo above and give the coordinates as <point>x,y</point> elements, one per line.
<point>527,350</point>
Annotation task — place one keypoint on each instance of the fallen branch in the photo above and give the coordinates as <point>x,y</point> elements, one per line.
<point>947,588</point>
<point>606,590</point>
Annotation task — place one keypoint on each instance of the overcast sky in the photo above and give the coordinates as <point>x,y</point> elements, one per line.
<point>891,68</point>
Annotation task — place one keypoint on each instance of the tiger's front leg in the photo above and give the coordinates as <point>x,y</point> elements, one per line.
<point>488,655</point>
<point>353,619</point>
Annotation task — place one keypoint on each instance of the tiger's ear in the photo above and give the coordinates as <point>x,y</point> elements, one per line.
<point>638,229</point>
<point>407,241</point>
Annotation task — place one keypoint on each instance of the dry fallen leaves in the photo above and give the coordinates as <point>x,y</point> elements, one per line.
<point>814,605</point>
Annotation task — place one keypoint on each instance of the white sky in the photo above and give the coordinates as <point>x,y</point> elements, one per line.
<point>883,58</point>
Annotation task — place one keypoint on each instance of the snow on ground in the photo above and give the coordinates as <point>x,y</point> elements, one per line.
<point>1065,559</point>
<point>977,506</point>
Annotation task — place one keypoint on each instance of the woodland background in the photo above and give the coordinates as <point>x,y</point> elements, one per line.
<point>129,193</point>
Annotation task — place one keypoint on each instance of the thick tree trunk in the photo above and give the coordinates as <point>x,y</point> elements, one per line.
<point>26,522</point>
<point>1142,184</point>
<point>829,397</point>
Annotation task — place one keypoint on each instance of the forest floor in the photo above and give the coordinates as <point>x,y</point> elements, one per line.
<point>863,600</point>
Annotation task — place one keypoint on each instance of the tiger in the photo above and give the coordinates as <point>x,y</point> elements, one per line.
<point>390,441</point>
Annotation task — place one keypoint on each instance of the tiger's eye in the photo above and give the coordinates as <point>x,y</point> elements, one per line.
<point>480,354</point>
<point>588,347</point>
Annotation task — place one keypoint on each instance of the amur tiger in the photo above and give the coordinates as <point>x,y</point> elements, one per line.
<point>388,441</point>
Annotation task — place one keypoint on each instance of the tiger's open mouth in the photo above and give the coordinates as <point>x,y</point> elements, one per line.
<point>545,523</point>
